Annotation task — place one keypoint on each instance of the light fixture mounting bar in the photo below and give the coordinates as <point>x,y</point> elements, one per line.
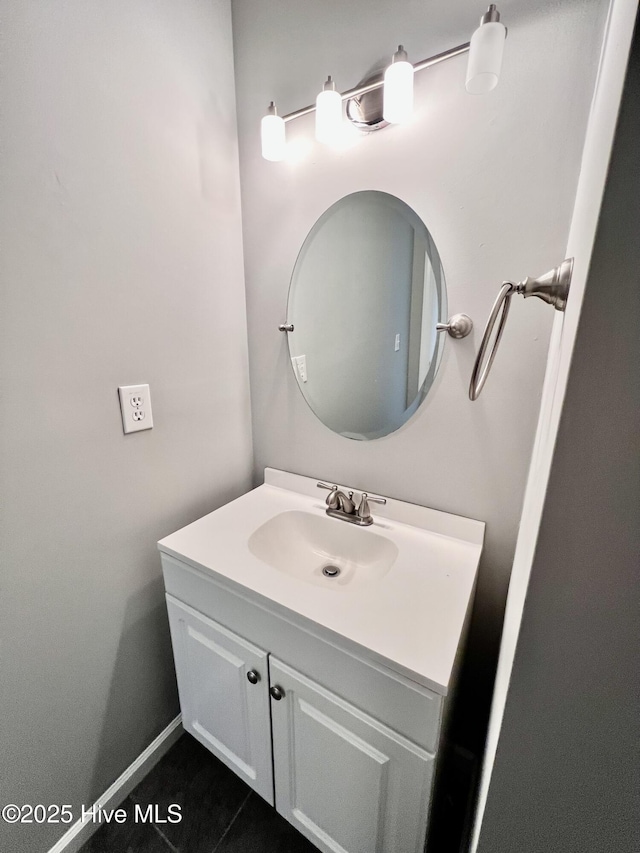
<point>377,84</point>
<point>440,57</point>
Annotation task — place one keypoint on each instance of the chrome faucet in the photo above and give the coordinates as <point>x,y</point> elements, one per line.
<point>343,506</point>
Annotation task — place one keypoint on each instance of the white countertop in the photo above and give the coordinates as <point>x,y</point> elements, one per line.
<point>410,620</point>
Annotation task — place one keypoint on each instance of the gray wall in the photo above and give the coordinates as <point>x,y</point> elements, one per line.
<point>121,262</point>
<point>566,770</point>
<point>494,180</point>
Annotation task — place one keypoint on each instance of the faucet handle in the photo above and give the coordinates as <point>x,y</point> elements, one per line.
<point>365,500</point>
<point>373,500</point>
<point>332,498</point>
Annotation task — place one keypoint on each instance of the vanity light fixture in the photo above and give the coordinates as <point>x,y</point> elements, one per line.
<point>398,89</point>
<point>364,107</point>
<point>485,53</point>
<point>328,114</point>
<point>272,135</point>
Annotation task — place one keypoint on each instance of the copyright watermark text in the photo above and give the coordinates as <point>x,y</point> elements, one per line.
<point>28,813</point>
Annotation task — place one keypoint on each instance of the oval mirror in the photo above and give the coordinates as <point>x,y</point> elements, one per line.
<point>366,293</point>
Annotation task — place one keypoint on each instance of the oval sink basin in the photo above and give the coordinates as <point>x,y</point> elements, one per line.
<point>323,551</point>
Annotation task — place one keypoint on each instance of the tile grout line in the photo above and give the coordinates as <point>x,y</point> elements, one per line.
<point>165,839</point>
<point>233,820</point>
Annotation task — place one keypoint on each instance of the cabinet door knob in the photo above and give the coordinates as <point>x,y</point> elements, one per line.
<point>253,677</point>
<point>276,692</point>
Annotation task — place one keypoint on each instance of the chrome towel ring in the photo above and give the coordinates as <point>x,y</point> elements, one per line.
<point>480,373</point>
<point>552,287</point>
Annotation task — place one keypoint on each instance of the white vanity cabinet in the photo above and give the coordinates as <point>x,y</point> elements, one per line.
<point>224,694</point>
<point>345,779</point>
<point>328,694</point>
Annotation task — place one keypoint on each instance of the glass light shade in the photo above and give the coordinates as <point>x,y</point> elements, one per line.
<point>273,138</point>
<point>328,116</point>
<point>485,58</point>
<point>397,103</point>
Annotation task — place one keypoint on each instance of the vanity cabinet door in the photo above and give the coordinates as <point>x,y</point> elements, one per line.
<point>223,705</point>
<point>346,781</point>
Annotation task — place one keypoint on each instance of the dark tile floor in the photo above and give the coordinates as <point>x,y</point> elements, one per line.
<point>220,814</point>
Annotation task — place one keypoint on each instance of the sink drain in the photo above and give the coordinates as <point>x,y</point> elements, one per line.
<point>331,571</point>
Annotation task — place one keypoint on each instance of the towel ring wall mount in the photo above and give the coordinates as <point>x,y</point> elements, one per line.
<point>552,287</point>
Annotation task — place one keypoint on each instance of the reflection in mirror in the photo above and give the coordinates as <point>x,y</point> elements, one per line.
<point>366,293</point>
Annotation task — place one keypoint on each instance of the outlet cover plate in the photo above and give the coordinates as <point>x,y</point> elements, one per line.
<point>300,366</point>
<point>135,407</point>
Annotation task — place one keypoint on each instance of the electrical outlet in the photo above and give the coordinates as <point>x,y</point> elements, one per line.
<point>135,407</point>
<point>300,366</point>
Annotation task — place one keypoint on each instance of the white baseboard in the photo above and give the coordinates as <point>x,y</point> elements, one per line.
<point>80,832</point>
